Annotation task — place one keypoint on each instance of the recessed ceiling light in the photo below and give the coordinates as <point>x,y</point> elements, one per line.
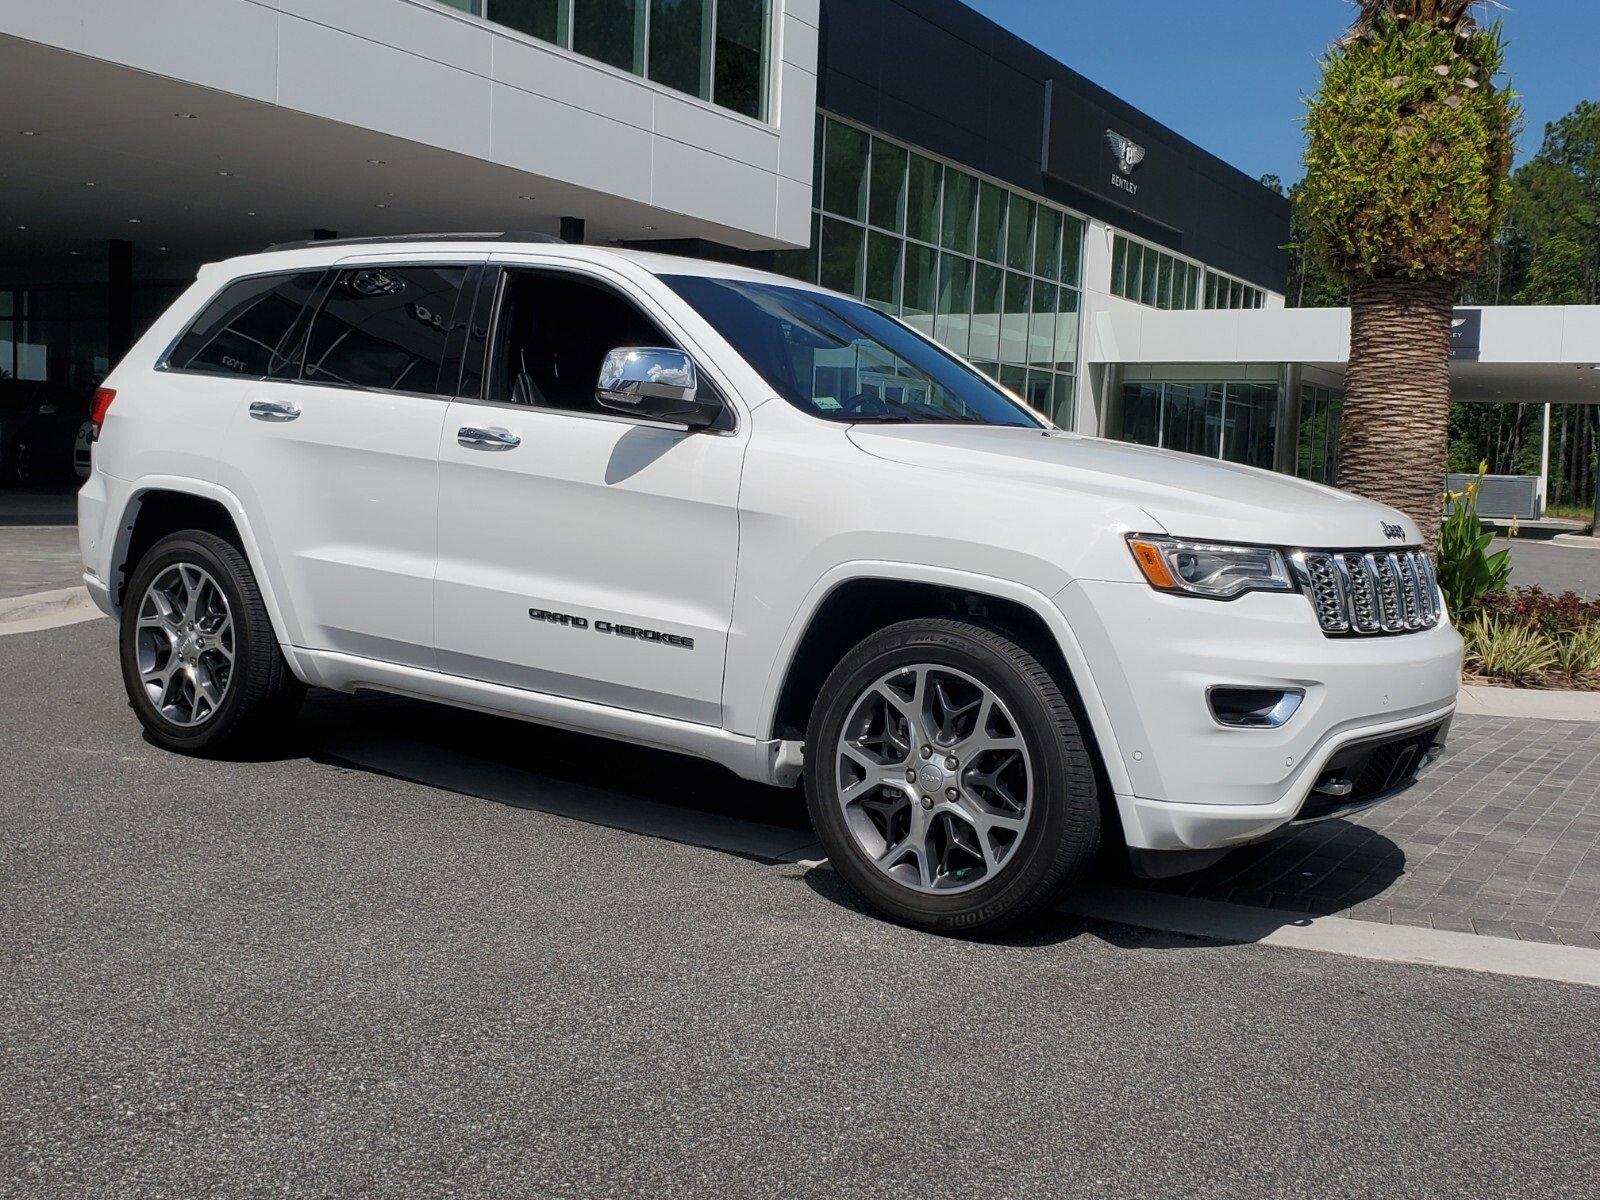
<point>133,220</point>
<point>383,206</point>
<point>89,183</point>
<point>30,133</point>
<point>377,162</point>
<point>161,248</point>
<point>184,116</point>
<point>224,174</point>
<point>527,197</point>
<point>649,226</point>
<point>72,252</point>
<point>249,214</point>
<point>21,226</point>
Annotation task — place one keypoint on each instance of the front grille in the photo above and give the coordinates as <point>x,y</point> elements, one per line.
<point>1369,592</point>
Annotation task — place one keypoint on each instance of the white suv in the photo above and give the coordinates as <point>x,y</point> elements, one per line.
<point>709,509</point>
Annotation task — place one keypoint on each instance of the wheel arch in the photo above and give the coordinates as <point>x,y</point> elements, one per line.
<point>867,597</point>
<point>160,506</point>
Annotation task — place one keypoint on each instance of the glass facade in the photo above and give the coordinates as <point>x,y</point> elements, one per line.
<point>1147,275</point>
<point>1317,442</point>
<point>990,272</point>
<point>1236,421</point>
<point>61,334</point>
<point>713,49</point>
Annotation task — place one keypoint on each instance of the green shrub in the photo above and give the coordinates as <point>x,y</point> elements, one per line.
<point>1467,571</point>
<point>1578,654</point>
<point>1502,650</point>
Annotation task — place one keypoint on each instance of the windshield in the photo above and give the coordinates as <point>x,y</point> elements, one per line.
<point>842,360</point>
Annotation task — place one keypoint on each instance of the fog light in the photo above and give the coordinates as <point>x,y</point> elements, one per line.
<point>1253,708</point>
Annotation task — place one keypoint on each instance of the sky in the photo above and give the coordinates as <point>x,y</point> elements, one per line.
<point>1231,75</point>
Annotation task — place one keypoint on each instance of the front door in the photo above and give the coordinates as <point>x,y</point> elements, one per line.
<point>582,553</point>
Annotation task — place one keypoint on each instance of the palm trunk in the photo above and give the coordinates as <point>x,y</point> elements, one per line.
<point>1397,397</point>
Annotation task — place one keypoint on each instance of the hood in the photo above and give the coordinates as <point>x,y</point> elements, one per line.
<point>1185,495</point>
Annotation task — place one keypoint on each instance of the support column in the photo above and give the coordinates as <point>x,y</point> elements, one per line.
<point>572,230</point>
<point>1544,464</point>
<point>324,235</point>
<point>119,298</point>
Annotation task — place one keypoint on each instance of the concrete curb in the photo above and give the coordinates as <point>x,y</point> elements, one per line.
<point>1339,935</point>
<point>1476,700</point>
<point>1581,541</point>
<point>46,610</point>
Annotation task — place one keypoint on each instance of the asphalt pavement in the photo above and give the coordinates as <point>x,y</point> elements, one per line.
<point>1555,566</point>
<point>293,975</point>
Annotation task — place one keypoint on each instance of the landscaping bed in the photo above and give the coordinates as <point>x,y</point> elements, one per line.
<point>1530,638</point>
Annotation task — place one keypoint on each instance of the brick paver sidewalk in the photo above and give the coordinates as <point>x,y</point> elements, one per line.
<point>1502,837</point>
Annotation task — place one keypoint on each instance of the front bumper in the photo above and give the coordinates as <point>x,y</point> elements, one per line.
<point>1199,785</point>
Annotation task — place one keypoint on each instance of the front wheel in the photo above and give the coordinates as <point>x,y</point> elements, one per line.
<point>948,779</point>
<point>200,662</point>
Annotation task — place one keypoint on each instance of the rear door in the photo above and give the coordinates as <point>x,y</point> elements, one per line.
<point>584,553</point>
<point>338,463</point>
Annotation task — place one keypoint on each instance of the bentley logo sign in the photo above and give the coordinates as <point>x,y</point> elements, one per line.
<point>1129,155</point>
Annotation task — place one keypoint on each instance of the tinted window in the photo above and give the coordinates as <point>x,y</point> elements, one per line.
<point>555,330</point>
<point>842,360</point>
<point>250,330</point>
<point>385,327</point>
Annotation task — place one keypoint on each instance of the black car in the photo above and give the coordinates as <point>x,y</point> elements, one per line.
<point>39,424</point>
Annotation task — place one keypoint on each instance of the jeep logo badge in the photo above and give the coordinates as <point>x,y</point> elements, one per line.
<point>1395,533</point>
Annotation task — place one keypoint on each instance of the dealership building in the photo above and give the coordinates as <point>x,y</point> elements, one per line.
<point>1116,276</point>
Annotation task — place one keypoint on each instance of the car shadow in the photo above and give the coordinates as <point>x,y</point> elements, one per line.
<point>522,765</point>
<point>1319,870</point>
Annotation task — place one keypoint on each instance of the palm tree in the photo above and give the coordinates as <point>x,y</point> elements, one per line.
<point>1410,140</point>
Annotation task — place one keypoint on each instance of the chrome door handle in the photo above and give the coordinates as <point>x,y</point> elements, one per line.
<point>491,438</point>
<point>273,410</point>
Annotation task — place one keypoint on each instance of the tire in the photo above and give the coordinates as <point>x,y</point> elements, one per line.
<point>866,827</point>
<point>252,698</point>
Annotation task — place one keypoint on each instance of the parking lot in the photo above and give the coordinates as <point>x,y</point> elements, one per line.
<point>423,952</point>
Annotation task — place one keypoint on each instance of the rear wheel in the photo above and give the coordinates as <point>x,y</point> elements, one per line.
<point>948,779</point>
<point>200,662</point>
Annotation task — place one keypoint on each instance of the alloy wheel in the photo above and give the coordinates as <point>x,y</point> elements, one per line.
<point>185,644</point>
<point>934,778</point>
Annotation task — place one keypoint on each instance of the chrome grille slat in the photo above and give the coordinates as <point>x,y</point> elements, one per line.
<point>1370,591</point>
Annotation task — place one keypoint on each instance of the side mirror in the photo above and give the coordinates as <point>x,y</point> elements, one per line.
<point>655,384</point>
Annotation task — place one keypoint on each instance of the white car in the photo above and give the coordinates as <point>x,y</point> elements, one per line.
<point>704,508</point>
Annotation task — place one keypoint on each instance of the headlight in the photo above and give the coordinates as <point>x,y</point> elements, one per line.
<point>1207,568</point>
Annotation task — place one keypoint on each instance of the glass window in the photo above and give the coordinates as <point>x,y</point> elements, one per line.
<point>844,172</point>
<point>541,18</point>
<point>384,327</point>
<point>555,330</point>
<point>1017,315</point>
<point>918,300</point>
<point>1019,234</point>
<point>1040,388</point>
<point>883,271</point>
<point>988,285</point>
<point>888,192</point>
<point>1067,329</point>
<point>1119,266</point>
<point>991,222</point>
<point>1250,424</point>
<point>680,37</point>
<point>960,209</point>
<point>1064,409</point>
<point>1150,277</point>
<point>1071,250</point>
<point>1164,283</point>
<point>841,360</point>
<point>1047,244</point>
<point>1042,325</point>
<point>955,303</point>
<point>247,330</point>
<point>741,57</point>
<point>610,31</point>
<point>922,199</point>
<point>1141,414</point>
<point>841,256</point>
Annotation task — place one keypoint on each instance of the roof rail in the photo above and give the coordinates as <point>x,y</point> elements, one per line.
<point>507,236</point>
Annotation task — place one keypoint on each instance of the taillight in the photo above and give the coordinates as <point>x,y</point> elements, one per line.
<point>102,401</point>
